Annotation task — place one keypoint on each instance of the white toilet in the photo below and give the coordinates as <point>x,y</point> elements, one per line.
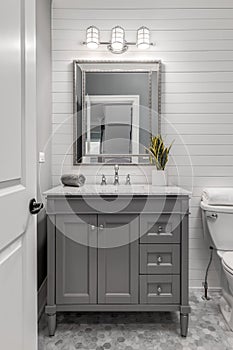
<point>218,230</point>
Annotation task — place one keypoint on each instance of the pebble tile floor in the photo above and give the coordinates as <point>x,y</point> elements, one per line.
<point>143,331</point>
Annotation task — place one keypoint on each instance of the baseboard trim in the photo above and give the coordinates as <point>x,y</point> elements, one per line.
<point>42,297</point>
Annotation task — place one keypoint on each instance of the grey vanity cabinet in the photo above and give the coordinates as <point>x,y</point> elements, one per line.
<point>131,254</point>
<point>76,259</point>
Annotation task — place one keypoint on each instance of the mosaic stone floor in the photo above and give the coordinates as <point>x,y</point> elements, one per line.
<point>143,331</point>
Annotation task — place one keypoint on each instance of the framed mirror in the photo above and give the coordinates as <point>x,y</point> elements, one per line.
<point>117,107</point>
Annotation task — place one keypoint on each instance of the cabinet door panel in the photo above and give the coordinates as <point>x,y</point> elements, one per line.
<point>76,259</point>
<point>118,259</point>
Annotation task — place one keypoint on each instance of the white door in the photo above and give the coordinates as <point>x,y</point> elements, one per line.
<point>17,175</point>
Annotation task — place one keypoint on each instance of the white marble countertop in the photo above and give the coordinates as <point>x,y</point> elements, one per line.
<point>122,190</point>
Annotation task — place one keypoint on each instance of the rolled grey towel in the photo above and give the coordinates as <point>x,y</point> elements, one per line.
<point>73,180</point>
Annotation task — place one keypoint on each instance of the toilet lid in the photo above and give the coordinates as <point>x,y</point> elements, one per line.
<point>228,260</point>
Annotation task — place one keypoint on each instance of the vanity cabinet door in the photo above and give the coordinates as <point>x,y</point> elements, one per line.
<point>76,259</point>
<point>118,259</point>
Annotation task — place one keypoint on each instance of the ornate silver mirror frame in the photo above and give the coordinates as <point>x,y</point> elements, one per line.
<point>81,68</point>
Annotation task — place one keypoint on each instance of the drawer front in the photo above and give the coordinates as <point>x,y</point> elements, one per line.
<point>159,259</point>
<point>158,289</point>
<point>160,228</point>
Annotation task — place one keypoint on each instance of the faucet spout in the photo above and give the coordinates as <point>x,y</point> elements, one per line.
<point>116,176</point>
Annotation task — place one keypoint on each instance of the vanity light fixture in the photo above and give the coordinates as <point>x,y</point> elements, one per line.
<point>143,38</point>
<point>118,44</point>
<point>92,37</point>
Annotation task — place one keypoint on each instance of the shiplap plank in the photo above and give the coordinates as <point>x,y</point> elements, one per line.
<point>195,129</point>
<point>62,118</point>
<point>211,66</point>
<point>197,118</point>
<point>152,4</point>
<point>197,88</point>
<point>197,77</point>
<point>141,14</point>
<point>224,97</point>
<point>63,108</point>
<point>202,181</point>
<point>131,24</point>
<point>201,159</point>
<point>62,97</point>
<point>60,86</point>
<point>196,139</point>
<point>201,171</point>
<point>197,108</point>
<point>62,76</point>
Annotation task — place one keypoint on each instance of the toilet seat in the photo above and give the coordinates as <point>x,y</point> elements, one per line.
<point>227,260</point>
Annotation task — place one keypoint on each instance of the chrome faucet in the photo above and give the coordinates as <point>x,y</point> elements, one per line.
<point>116,176</point>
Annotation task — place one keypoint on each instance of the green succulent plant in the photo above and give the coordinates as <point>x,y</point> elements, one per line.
<point>158,152</point>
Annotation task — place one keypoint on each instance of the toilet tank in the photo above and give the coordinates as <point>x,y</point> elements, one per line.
<point>218,225</point>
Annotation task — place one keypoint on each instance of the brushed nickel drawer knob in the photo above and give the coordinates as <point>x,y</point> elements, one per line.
<point>160,229</point>
<point>159,260</point>
<point>101,227</point>
<point>92,227</point>
<point>159,290</point>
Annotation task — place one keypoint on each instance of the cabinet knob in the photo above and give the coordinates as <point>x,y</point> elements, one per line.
<point>160,229</point>
<point>101,227</point>
<point>159,260</point>
<point>92,227</point>
<point>159,290</point>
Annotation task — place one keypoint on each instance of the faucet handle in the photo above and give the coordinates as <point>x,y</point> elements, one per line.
<point>128,181</point>
<point>103,181</point>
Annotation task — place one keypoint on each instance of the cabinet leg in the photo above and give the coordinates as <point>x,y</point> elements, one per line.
<point>184,321</point>
<point>51,324</point>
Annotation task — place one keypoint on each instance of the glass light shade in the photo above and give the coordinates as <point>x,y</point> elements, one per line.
<point>118,39</point>
<point>143,38</point>
<point>92,37</point>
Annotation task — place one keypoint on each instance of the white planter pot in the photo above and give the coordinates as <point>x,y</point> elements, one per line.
<point>159,177</point>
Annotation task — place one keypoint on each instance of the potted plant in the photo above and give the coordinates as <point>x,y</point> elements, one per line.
<point>159,157</point>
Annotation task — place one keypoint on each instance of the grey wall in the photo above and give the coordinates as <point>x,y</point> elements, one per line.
<point>43,122</point>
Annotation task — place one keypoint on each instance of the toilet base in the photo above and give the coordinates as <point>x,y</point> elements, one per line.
<point>226,307</point>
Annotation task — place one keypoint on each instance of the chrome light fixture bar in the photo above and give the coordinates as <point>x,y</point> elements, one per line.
<point>118,44</point>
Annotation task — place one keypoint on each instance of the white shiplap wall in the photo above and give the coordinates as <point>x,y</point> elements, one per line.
<point>194,40</point>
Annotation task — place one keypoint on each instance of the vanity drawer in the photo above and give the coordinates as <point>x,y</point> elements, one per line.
<point>159,258</point>
<point>160,228</point>
<point>159,289</point>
